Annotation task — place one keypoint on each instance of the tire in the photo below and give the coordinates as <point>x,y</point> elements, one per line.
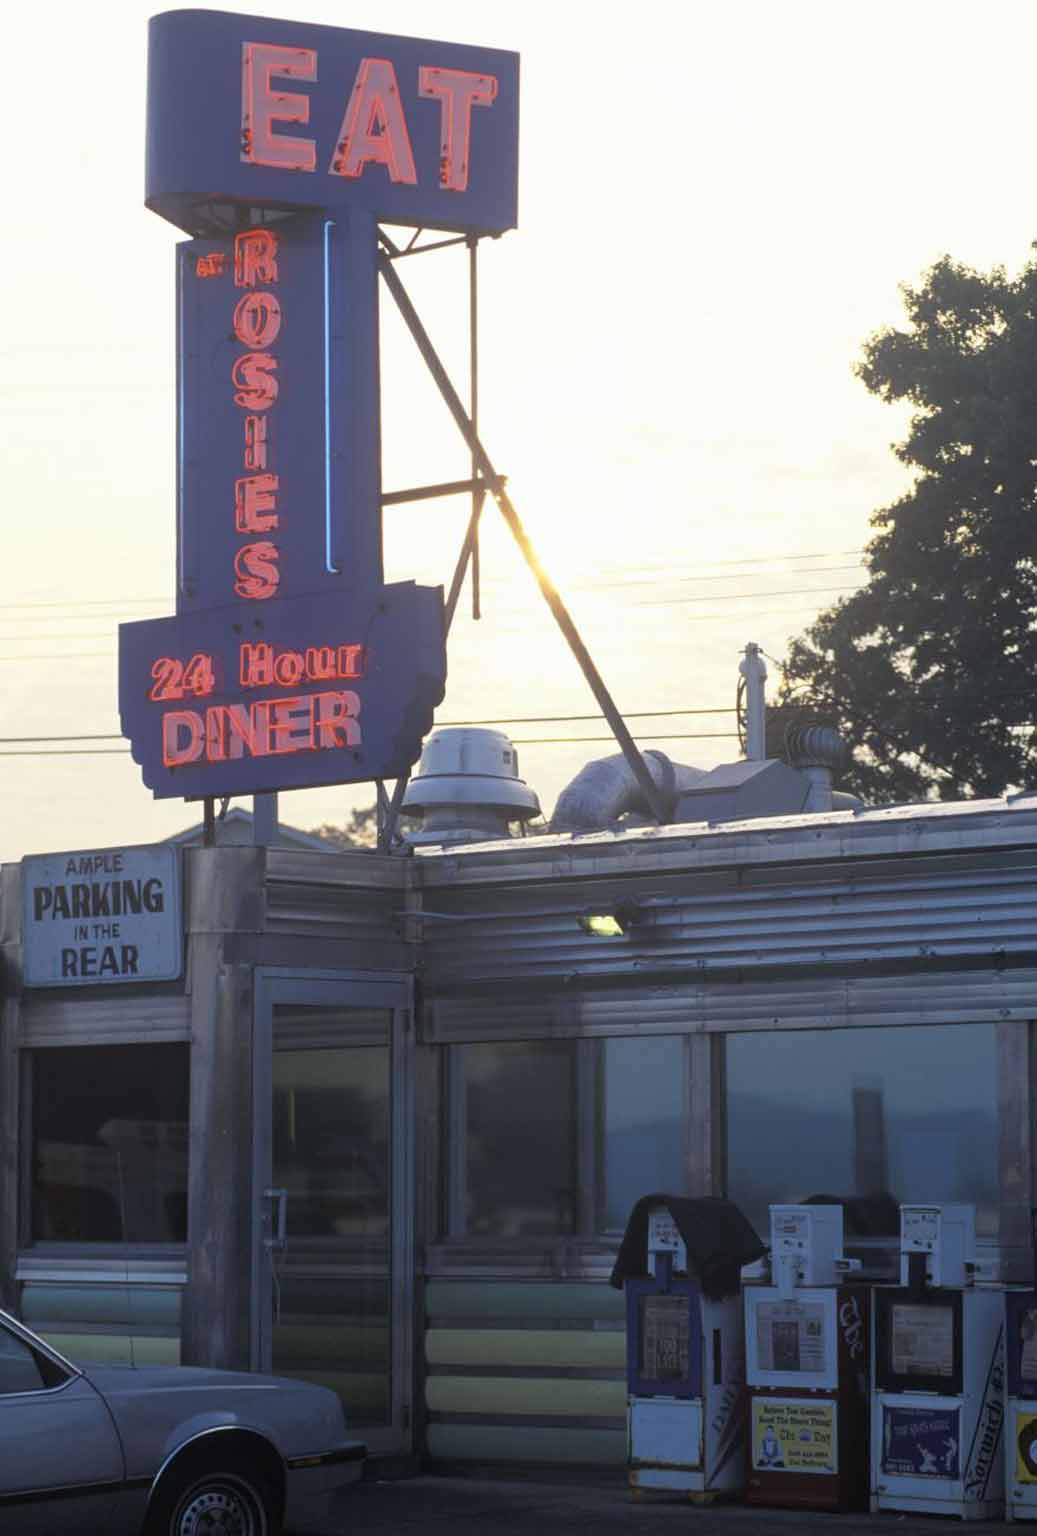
<point>225,1496</point>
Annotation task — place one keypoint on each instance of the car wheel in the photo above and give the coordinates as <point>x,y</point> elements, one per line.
<point>227,1498</point>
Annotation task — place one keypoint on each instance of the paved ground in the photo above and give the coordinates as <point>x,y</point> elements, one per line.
<point>435,1506</point>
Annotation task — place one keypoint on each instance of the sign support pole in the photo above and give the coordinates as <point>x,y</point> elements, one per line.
<point>478,495</point>
<point>653,797</point>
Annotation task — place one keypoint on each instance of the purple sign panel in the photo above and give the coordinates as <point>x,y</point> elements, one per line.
<point>280,114</point>
<point>921,1442</point>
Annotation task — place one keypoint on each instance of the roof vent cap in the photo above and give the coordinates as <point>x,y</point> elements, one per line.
<point>467,788</point>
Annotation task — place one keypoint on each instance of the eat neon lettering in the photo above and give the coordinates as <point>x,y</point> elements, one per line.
<point>268,728</point>
<point>374,125</point>
<point>257,325</point>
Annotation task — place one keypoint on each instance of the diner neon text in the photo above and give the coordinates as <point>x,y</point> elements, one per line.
<point>268,728</point>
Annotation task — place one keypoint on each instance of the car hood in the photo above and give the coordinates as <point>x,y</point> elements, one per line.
<point>176,1378</point>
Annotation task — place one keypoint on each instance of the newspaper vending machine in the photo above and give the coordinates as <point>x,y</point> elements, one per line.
<point>938,1398</point>
<point>806,1364</point>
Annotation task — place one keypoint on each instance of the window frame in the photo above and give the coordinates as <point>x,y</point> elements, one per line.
<point>1012,1058</point>
<point>41,1248</point>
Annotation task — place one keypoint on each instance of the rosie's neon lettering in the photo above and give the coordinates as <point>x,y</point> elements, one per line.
<point>257,319</point>
<point>255,258</point>
<point>255,566</point>
<point>374,129</point>
<point>255,442</point>
<point>257,325</point>
<point>255,501</point>
<point>255,382</point>
<point>211,265</point>
<point>458,91</point>
<point>262,106</point>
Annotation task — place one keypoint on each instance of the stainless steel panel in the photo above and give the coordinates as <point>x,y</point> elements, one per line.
<point>216,1302</point>
<point>836,836</point>
<point>814,1002</point>
<point>1016,1193</point>
<point>109,1019</point>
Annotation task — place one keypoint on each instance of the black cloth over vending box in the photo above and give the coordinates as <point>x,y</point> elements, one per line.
<point>719,1240</point>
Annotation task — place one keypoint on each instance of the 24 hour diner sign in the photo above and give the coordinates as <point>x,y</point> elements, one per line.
<point>101,916</point>
<point>290,662</point>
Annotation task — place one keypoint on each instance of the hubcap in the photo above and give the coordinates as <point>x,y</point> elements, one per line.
<point>218,1509</point>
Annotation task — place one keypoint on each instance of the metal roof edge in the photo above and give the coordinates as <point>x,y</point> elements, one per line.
<point>936,827</point>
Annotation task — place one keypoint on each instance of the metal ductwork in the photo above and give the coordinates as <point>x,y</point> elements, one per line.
<point>605,790</point>
<point>467,788</point>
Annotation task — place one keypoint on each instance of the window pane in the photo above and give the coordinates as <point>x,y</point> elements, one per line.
<point>520,1150</point>
<point>909,1113</point>
<point>109,1132</point>
<point>644,1110</point>
<point>331,1141</point>
<point>19,1367</point>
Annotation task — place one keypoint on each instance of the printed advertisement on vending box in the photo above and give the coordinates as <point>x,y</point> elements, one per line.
<point>792,1434</point>
<point>1026,1448</point>
<point>921,1442</point>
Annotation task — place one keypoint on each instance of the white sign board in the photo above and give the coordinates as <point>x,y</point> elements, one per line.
<point>101,916</point>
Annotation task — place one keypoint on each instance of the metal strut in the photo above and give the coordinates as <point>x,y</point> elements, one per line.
<point>495,484</point>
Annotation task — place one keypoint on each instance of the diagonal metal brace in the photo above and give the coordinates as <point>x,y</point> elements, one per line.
<point>655,800</point>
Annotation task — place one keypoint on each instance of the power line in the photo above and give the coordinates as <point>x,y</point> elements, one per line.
<point>672,602</point>
<point>89,602</point>
<point>645,714</point>
<point>728,597</point>
<point>644,581</point>
<point>146,602</point>
<point>518,741</point>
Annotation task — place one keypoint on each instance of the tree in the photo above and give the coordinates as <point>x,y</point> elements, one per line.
<point>930,669</point>
<point>360,831</point>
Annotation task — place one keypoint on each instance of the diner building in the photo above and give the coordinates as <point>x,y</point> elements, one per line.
<point>384,1125</point>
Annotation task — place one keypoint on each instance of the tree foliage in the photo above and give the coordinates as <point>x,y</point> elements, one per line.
<point>361,830</point>
<point>930,669</point>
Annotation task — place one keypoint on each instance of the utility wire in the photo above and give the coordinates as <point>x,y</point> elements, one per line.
<point>647,714</point>
<point>528,741</point>
<point>728,597</point>
<point>150,602</point>
<point>665,602</point>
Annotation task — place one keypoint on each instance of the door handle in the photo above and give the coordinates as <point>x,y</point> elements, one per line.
<point>279,1241</point>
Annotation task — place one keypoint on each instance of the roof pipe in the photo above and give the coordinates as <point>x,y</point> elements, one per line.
<point>753,669</point>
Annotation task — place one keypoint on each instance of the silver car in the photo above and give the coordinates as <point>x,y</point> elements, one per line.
<point>170,1451</point>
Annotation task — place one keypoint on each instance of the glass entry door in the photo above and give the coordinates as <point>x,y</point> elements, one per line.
<point>332,1271</point>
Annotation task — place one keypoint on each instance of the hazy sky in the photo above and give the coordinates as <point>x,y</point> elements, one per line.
<point>717,205</point>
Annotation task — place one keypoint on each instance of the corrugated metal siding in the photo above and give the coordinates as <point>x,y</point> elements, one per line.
<point>107,1020</point>
<point>336,895</point>
<point>353,902</point>
<point>697,1004</point>
<point>737,921</point>
<point>525,1372</point>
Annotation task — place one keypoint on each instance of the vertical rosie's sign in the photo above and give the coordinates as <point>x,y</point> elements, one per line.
<point>102,915</point>
<point>290,662</point>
